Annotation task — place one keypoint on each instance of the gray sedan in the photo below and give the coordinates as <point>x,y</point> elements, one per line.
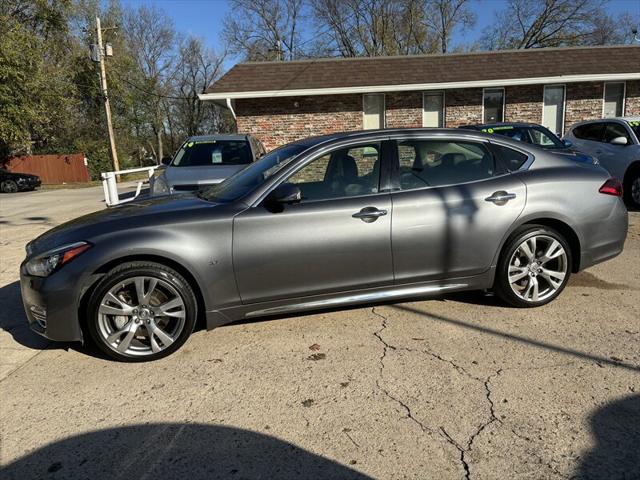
<point>320,223</point>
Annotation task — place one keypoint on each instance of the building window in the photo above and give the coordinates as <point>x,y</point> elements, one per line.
<point>373,110</point>
<point>492,105</point>
<point>613,99</point>
<point>433,109</point>
<point>553,108</point>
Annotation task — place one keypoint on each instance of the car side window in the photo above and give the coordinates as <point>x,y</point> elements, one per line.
<point>615,130</point>
<point>511,159</point>
<point>590,131</point>
<point>433,163</point>
<point>345,172</point>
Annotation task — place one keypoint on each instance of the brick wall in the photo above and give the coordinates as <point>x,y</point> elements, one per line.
<point>583,101</point>
<point>523,103</point>
<point>463,106</point>
<point>403,109</point>
<point>632,104</point>
<point>276,121</point>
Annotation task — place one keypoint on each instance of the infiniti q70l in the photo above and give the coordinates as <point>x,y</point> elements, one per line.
<point>335,220</point>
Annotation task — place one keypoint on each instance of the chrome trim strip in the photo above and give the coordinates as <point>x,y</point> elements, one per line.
<point>356,298</point>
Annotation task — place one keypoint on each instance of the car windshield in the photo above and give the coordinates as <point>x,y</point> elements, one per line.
<point>635,126</point>
<point>204,153</point>
<point>537,135</point>
<point>251,177</point>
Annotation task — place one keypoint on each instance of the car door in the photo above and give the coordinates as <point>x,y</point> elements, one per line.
<point>611,156</point>
<point>454,204</point>
<point>587,137</point>
<point>336,238</point>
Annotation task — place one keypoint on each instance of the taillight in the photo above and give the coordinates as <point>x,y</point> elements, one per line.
<point>612,187</point>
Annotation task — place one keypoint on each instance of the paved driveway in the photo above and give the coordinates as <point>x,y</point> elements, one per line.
<point>455,387</point>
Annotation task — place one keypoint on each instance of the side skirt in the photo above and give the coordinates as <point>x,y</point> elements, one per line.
<point>217,318</point>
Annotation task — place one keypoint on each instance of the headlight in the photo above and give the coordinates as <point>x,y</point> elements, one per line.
<point>45,264</point>
<point>159,186</point>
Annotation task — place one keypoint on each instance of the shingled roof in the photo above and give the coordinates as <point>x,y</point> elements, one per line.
<point>423,72</point>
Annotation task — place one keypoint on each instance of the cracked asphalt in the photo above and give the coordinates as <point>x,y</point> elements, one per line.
<point>455,387</point>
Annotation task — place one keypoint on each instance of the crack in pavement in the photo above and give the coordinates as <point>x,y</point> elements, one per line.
<point>441,432</point>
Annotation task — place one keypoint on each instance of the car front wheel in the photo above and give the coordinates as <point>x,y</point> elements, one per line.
<point>534,268</point>
<point>141,311</point>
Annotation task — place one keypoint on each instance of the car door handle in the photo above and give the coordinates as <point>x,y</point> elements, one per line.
<point>369,214</point>
<point>501,197</point>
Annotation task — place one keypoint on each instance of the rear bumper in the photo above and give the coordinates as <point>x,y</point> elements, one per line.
<point>606,238</point>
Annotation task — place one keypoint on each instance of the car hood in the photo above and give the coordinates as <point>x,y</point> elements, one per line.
<point>152,211</point>
<point>199,175</point>
<point>26,176</point>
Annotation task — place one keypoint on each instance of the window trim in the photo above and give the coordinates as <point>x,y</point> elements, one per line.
<point>624,96</point>
<point>564,105</point>
<point>443,110</point>
<point>504,101</point>
<point>384,109</point>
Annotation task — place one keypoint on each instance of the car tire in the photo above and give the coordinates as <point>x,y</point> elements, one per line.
<point>534,267</point>
<point>9,186</point>
<point>632,189</point>
<point>141,311</point>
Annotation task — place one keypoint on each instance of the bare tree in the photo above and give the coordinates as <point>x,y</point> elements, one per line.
<point>151,40</point>
<point>197,67</point>
<point>444,16</point>
<point>542,23</point>
<point>264,29</point>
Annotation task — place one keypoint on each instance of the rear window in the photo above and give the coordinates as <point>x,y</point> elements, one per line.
<point>203,153</point>
<point>590,131</point>
<point>511,159</point>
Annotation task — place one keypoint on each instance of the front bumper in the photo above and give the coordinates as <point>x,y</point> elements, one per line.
<point>51,305</point>
<point>28,183</point>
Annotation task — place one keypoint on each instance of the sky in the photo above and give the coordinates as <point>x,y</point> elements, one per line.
<point>203,18</point>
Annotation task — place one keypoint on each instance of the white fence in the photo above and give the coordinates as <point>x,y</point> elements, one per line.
<point>110,186</point>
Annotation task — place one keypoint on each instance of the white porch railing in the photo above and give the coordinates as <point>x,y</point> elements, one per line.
<point>110,186</point>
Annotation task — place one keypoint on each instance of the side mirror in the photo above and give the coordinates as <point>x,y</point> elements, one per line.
<point>165,160</point>
<point>567,143</point>
<point>286,193</point>
<point>619,141</point>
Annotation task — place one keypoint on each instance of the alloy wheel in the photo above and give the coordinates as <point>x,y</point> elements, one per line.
<point>9,186</point>
<point>141,316</point>
<point>537,268</point>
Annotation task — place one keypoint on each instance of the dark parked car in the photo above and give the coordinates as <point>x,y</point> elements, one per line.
<point>328,221</point>
<point>204,160</point>
<point>11,182</point>
<point>535,135</point>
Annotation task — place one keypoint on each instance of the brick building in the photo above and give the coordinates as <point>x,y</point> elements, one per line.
<point>283,101</point>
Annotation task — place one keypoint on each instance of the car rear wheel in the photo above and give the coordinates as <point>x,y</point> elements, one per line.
<point>9,186</point>
<point>534,268</point>
<point>632,189</point>
<point>141,311</point>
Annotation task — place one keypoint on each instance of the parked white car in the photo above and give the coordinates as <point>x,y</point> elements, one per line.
<point>615,142</point>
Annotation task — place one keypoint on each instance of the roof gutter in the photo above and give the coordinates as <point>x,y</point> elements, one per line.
<point>228,96</point>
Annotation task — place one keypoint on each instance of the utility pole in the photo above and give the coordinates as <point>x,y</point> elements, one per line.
<point>105,96</point>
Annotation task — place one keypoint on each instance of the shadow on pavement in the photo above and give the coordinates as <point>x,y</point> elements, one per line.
<point>173,451</point>
<point>519,338</point>
<point>616,428</point>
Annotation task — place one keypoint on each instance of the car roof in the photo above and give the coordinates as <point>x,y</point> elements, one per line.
<point>501,124</point>
<point>218,137</point>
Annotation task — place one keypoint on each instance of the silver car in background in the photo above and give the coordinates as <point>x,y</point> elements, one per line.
<point>615,142</point>
<point>205,160</point>
<point>324,222</point>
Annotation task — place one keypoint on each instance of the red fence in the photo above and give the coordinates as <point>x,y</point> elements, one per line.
<point>52,168</point>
